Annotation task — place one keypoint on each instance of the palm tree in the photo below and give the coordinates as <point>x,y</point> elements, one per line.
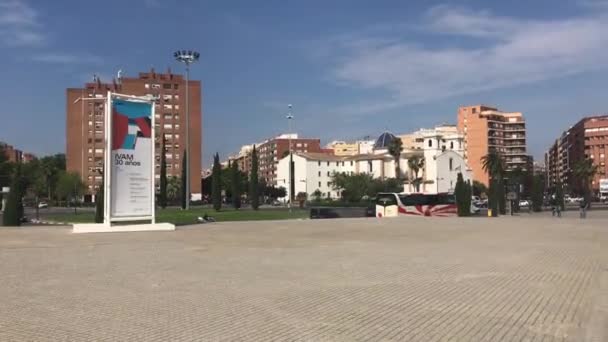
<point>493,164</point>
<point>395,148</point>
<point>173,188</point>
<point>584,170</point>
<point>415,164</point>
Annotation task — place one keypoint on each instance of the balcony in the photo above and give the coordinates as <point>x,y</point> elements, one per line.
<point>515,152</point>
<point>516,161</point>
<point>514,136</point>
<point>514,128</point>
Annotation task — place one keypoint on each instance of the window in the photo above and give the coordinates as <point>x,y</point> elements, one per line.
<point>155,86</point>
<point>166,86</point>
<point>337,163</point>
<point>451,145</point>
<point>369,166</point>
<point>319,184</point>
<point>451,164</point>
<point>328,174</point>
<point>175,86</point>
<point>299,145</point>
<point>327,163</point>
<point>147,85</point>
<point>319,173</point>
<point>430,143</point>
<point>167,116</point>
<point>167,126</point>
<point>319,164</point>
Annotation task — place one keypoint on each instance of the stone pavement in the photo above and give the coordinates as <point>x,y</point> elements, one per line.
<point>406,279</point>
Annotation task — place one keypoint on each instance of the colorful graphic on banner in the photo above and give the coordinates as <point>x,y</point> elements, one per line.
<point>131,159</point>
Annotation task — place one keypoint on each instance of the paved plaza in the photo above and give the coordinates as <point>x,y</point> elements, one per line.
<point>407,279</point>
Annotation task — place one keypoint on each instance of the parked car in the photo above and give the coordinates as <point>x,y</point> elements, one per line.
<point>474,209</point>
<point>42,205</point>
<point>524,203</point>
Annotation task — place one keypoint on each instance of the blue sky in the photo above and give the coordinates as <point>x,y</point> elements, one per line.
<point>350,68</point>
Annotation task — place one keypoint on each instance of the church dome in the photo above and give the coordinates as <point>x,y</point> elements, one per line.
<point>384,141</point>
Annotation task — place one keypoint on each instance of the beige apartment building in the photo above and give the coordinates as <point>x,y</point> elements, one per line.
<point>486,129</point>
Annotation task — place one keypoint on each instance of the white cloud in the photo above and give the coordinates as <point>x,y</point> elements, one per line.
<point>500,52</point>
<point>19,24</point>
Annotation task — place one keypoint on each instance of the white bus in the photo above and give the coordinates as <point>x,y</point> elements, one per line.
<point>393,204</point>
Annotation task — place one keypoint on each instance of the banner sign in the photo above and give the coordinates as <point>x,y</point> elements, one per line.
<point>131,159</point>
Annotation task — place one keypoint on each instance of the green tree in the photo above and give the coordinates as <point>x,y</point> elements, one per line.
<point>584,171</point>
<point>493,164</point>
<point>70,187</point>
<point>468,197</point>
<point>501,197</point>
<point>461,193</point>
<point>301,198</point>
<point>254,191</point>
<point>52,167</point>
<point>174,190</point>
<point>185,197</point>
<point>13,212</point>
<point>479,188</point>
<point>34,183</point>
<point>353,187</point>
<point>316,196</point>
<point>162,194</point>
<point>236,185</point>
<point>537,193</point>
<point>559,195</point>
<point>395,148</point>
<point>99,205</point>
<point>416,164</point>
<point>216,186</point>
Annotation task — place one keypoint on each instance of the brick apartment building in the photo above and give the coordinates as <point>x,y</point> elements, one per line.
<point>15,155</point>
<point>85,124</point>
<point>587,139</point>
<point>273,150</point>
<point>488,129</point>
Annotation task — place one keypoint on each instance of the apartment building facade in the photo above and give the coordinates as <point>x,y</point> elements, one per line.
<point>343,148</point>
<point>15,155</point>
<point>587,139</point>
<point>85,124</point>
<point>488,129</point>
<point>273,150</point>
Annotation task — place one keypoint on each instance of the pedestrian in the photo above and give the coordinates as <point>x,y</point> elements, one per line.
<point>583,208</point>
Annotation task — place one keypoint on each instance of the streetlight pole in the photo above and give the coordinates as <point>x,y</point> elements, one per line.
<point>289,119</point>
<point>187,57</point>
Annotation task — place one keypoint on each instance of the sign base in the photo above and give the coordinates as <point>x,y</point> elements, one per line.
<point>105,228</point>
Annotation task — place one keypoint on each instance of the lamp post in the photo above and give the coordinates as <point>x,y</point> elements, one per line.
<point>187,57</point>
<point>289,119</point>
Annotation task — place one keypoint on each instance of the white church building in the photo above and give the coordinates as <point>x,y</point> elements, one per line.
<point>441,151</point>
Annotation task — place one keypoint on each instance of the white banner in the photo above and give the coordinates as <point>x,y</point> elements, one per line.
<point>131,158</point>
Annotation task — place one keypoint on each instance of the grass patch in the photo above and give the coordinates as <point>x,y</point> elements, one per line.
<point>180,217</point>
